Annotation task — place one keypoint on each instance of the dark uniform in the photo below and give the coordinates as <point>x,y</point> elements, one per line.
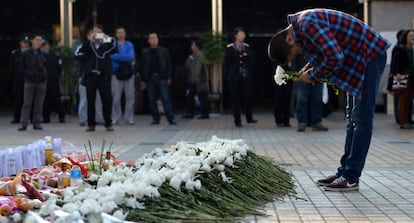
<point>53,93</point>
<point>238,71</point>
<point>18,84</point>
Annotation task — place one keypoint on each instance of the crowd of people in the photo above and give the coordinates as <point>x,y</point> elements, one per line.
<point>108,68</point>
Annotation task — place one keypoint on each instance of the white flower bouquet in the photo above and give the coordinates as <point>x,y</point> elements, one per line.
<point>216,180</point>
<point>281,76</point>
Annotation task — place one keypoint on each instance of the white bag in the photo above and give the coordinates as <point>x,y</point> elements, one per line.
<point>29,157</point>
<point>18,155</point>
<point>325,93</point>
<point>3,164</point>
<point>10,162</point>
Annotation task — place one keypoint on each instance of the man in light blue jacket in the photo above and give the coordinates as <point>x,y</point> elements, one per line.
<point>123,79</point>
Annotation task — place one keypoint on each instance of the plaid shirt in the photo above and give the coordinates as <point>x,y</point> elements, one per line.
<point>338,46</point>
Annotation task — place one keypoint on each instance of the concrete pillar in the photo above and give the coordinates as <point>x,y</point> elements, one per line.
<point>66,21</point>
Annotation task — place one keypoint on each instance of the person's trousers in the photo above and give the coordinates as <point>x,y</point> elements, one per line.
<point>405,103</point>
<point>241,97</point>
<point>396,99</point>
<point>52,102</point>
<point>34,94</point>
<point>309,99</point>
<point>159,88</point>
<point>360,114</point>
<point>281,104</point>
<point>83,106</point>
<point>18,94</point>
<point>128,88</point>
<point>204,106</point>
<point>190,93</point>
<point>103,85</point>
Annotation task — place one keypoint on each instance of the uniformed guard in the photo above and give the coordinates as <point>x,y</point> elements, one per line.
<point>53,93</point>
<point>238,71</point>
<point>18,77</point>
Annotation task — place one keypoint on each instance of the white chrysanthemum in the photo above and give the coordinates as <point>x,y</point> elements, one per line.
<point>16,217</point>
<point>120,215</point>
<point>109,206</point>
<point>280,76</point>
<point>70,207</point>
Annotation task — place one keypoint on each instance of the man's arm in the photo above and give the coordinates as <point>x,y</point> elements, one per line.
<point>126,56</point>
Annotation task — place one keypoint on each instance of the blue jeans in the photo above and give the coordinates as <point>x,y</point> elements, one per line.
<point>159,88</point>
<point>309,99</point>
<point>360,115</point>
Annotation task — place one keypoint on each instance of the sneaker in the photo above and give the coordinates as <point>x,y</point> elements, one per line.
<point>319,128</point>
<point>341,184</point>
<point>302,127</point>
<point>326,181</point>
<point>406,126</point>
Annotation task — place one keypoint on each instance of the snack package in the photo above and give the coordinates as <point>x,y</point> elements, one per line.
<point>7,206</point>
<point>9,187</point>
<point>32,193</point>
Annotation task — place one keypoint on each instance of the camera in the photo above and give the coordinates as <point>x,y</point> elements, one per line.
<point>100,36</point>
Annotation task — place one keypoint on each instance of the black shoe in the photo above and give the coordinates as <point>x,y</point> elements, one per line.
<point>406,126</point>
<point>90,128</point>
<point>188,116</point>
<point>251,121</point>
<point>239,125</point>
<point>62,120</point>
<point>109,128</point>
<point>22,128</point>
<point>173,122</point>
<point>286,125</point>
<point>37,127</point>
<point>46,121</point>
<point>82,123</point>
<point>279,124</point>
<point>203,117</point>
<point>155,122</point>
<point>14,122</point>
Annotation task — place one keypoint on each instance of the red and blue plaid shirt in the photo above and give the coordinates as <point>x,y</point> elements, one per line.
<point>338,46</point>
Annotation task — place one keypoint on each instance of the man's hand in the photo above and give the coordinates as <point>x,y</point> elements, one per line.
<point>142,85</point>
<point>169,82</point>
<point>305,77</point>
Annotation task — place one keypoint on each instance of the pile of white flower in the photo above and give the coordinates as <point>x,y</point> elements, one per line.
<point>178,166</point>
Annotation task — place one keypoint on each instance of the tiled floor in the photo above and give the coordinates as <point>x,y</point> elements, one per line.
<point>386,190</point>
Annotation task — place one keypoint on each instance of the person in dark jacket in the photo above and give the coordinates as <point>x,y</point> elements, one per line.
<point>238,70</point>
<point>18,77</point>
<point>95,54</point>
<point>35,75</point>
<point>197,81</point>
<point>54,71</point>
<point>156,71</point>
<point>402,67</point>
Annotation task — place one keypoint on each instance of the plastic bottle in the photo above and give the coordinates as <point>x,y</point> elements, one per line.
<point>76,176</point>
<point>48,151</point>
<point>64,178</point>
<point>108,162</point>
